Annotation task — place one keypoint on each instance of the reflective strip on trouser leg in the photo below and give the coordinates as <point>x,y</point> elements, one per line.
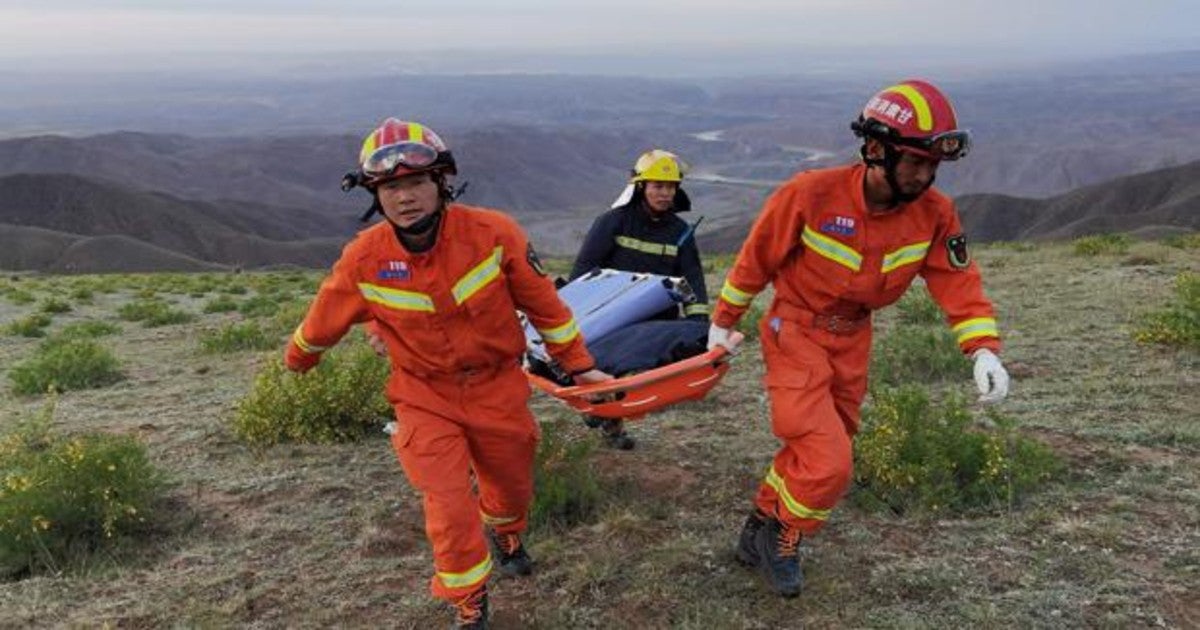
<point>811,377</point>
<point>434,453</point>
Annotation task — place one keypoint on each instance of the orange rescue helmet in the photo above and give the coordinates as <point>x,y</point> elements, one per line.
<point>400,147</point>
<point>915,117</point>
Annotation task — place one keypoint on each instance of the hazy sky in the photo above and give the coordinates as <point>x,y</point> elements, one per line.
<point>1024,28</point>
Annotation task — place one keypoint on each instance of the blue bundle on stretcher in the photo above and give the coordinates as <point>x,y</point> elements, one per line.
<point>616,312</point>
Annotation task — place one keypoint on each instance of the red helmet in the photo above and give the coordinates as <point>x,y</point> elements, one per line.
<point>399,147</point>
<point>914,116</point>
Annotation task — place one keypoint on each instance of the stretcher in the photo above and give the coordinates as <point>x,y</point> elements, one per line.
<point>604,303</point>
<point>633,396</point>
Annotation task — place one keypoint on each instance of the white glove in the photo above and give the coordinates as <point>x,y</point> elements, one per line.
<point>718,336</point>
<point>990,376</point>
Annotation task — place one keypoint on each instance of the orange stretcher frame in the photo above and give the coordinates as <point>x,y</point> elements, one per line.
<point>632,397</point>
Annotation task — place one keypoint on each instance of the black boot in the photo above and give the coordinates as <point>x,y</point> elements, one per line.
<point>509,550</point>
<point>615,435</point>
<point>593,422</point>
<point>472,611</point>
<point>777,547</point>
<point>746,553</point>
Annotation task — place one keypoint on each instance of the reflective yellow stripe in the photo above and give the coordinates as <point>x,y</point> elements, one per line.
<point>488,519</point>
<point>978,327</point>
<point>562,334</point>
<point>793,506</point>
<point>831,249</point>
<point>470,577</point>
<point>920,105</point>
<point>303,344</point>
<point>415,133</point>
<point>659,249</point>
<point>696,309</point>
<point>906,255</point>
<point>735,296</point>
<point>479,277</point>
<point>395,298</point>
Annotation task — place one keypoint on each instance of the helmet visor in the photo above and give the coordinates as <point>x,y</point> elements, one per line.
<point>949,145</point>
<point>410,155</point>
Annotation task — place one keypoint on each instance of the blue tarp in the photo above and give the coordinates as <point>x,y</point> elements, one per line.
<point>611,308</point>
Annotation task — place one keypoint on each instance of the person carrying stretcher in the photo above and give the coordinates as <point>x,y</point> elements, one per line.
<point>643,233</point>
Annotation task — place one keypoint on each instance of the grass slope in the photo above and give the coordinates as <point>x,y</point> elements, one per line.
<point>307,536</point>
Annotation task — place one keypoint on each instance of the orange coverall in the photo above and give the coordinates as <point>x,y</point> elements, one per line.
<point>448,317</point>
<point>831,263</point>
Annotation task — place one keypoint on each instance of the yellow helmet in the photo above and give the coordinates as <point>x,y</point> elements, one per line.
<point>658,165</point>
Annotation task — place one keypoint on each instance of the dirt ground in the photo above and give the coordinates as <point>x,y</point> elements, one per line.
<point>303,536</point>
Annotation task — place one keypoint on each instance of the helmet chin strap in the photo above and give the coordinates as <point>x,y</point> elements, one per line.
<point>891,158</point>
<point>420,227</point>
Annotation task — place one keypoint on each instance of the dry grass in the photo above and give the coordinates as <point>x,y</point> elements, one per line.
<point>319,536</point>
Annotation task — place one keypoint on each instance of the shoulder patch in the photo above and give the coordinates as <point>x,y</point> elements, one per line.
<point>956,251</point>
<point>532,258</point>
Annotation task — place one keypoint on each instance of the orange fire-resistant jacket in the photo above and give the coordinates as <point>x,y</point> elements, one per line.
<point>447,312</point>
<point>827,255</point>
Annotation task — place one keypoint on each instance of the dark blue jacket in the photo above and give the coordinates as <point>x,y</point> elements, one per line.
<point>630,238</point>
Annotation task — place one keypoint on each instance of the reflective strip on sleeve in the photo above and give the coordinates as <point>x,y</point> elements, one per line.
<point>735,296</point>
<point>468,578</point>
<point>696,309</point>
<point>824,246</point>
<point>978,327</point>
<point>906,255</point>
<point>479,277</point>
<point>302,343</point>
<point>658,249</point>
<point>395,298</point>
<point>561,334</point>
<point>795,507</point>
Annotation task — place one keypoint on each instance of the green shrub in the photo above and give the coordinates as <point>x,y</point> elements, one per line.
<point>63,498</point>
<point>21,297</point>
<point>917,354</point>
<point>916,455</point>
<point>1190,240</point>
<point>89,329</point>
<point>917,307</point>
<point>83,295</point>
<point>340,400</point>
<point>53,305</point>
<point>62,364</point>
<point>1179,323</point>
<point>153,313</point>
<point>237,337</point>
<point>32,326</point>
<point>287,318</point>
<point>566,491</point>
<point>1099,244</point>
<point>259,306</point>
<point>1012,246</point>
<point>140,310</point>
<point>235,289</point>
<point>748,325</point>
<point>221,304</point>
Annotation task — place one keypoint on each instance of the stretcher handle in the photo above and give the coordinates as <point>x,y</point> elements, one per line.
<point>718,354</point>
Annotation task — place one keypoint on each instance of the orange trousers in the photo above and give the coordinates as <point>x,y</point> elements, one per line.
<point>473,428</point>
<point>816,381</point>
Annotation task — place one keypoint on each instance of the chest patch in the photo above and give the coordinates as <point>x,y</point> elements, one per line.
<point>839,225</point>
<point>394,270</point>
